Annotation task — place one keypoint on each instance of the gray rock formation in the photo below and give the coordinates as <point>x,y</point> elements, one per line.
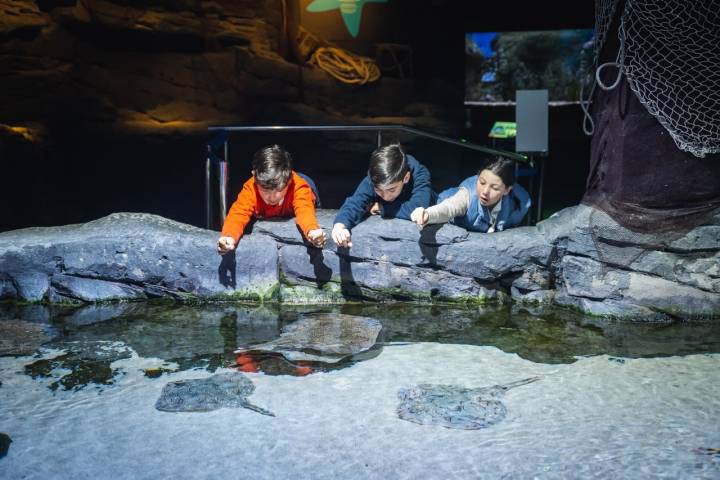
<point>577,258</point>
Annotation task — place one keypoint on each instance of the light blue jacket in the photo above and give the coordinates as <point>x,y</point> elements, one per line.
<point>513,208</point>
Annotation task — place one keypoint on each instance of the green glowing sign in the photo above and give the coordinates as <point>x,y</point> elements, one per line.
<point>503,130</point>
<point>351,11</point>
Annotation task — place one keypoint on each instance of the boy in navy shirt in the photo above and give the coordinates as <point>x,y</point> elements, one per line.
<point>396,184</point>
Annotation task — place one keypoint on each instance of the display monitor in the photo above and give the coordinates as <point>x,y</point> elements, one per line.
<point>499,63</point>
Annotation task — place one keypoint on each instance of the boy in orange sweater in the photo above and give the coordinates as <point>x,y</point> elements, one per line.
<point>274,190</point>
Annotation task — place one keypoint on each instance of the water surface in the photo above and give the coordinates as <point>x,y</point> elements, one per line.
<point>615,399</point>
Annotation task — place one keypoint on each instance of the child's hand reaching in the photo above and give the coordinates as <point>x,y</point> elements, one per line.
<point>317,237</point>
<point>341,235</point>
<point>225,245</point>
<point>375,209</point>
<point>420,217</point>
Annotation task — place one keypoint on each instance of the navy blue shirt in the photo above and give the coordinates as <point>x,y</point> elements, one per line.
<point>416,193</point>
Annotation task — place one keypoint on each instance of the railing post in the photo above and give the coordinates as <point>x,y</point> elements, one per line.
<point>379,138</point>
<point>223,180</point>
<point>208,208</point>
<point>541,166</point>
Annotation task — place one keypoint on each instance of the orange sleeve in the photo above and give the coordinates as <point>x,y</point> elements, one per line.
<point>240,212</point>
<point>304,205</point>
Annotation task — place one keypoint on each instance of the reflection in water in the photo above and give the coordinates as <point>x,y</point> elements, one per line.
<point>188,336</point>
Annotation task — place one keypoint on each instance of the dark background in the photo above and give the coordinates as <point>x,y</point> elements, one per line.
<point>78,173</point>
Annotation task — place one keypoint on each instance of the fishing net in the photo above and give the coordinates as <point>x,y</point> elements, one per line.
<point>671,57</point>
<point>655,119</point>
<point>669,52</point>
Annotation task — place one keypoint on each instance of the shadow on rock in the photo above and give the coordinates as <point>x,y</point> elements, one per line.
<point>227,270</point>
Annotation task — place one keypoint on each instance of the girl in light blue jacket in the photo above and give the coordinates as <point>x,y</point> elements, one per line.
<point>490,201</point>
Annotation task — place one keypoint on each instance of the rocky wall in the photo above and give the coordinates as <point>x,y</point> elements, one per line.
<point>567,259</point>
<point>122,67</point>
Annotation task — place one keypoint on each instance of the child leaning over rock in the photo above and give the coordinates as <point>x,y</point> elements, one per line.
<point>487,202</point>
<point>274,190</point>
<point>395,185</point>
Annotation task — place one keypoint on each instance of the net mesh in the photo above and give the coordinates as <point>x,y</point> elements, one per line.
<point>658,88</point>
<point>670,53</point>
<point>604,12</point>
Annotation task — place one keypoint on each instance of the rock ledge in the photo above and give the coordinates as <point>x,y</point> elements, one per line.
<point>579,257</point>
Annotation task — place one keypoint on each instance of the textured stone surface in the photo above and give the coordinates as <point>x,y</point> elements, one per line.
<point>130,256</point>
<point>575,258</point>
<point>161,67</point>
<point>20,17</point>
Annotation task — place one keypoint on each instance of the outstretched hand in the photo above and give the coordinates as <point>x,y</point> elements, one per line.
<point>225,245</point>
<point>317,237</point>
<point>341,236</point>
<point>420,217</point>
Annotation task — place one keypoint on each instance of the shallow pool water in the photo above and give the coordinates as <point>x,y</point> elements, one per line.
<point>614,400</point>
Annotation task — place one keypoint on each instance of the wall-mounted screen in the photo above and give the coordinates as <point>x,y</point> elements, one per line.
<point>499,63</point>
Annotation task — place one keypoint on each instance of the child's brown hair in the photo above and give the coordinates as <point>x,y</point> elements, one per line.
<point>388,165</point>
<point>272,167</point>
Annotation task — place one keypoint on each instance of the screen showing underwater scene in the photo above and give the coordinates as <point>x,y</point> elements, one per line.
<point>499,63</point>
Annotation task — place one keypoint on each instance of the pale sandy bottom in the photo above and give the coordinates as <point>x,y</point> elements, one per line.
<point>595,418</point>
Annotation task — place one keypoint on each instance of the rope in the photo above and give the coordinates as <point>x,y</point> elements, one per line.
<point>588,122</point>
<point>345,66</point>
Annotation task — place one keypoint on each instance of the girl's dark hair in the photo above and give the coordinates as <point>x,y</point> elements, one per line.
<point>503,167</point>
<point>388,164</point>
<point>272,166</point>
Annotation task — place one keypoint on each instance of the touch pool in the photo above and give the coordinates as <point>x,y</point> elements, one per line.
<point>612,400</point>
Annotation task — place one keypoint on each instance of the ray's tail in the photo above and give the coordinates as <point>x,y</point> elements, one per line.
<point>519,383</point>
<point>257,409</point>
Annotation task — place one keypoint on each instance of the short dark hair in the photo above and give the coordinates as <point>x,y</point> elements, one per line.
<point>503,167</point>
<point>272,166</point>
<point>388,164</point>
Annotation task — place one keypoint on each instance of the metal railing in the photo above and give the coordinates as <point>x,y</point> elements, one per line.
<point>222,137</point>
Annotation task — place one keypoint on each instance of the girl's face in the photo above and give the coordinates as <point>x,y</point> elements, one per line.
<point>490,188</point>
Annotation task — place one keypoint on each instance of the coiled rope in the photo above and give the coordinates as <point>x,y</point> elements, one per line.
<point>345,66</point>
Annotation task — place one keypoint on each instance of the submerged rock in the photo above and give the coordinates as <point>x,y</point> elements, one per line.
<point>205,394</point>
<point>579,257</point>
<point>21,338</point>
<point>87,361</point>
<point>451,406</point>
<point>326,337</point>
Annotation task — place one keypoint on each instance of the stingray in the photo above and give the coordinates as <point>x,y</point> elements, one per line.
<point>452,406</point>
<point>325,337</point>
<point>229,389</point>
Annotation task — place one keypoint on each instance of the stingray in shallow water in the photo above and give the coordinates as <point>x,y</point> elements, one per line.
<point>229,389</point>
<point>325,337</point>
<point>452,406</point>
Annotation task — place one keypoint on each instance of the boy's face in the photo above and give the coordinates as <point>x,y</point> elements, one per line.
<point>490,188</point>
<point>273,196</point>
<point>391,191</point>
